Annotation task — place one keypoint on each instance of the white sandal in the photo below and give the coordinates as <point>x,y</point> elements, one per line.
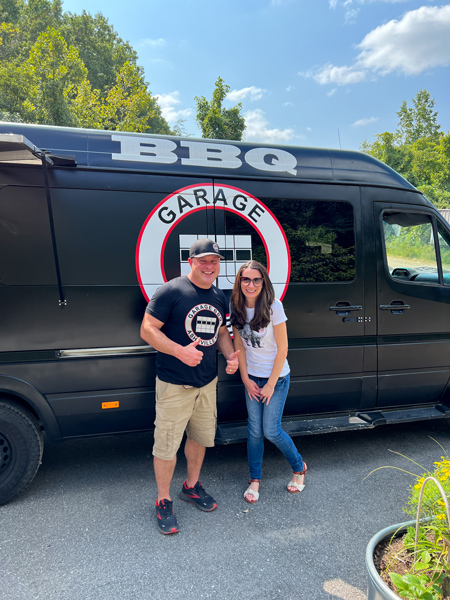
<point>251,492</point>
<point>294,484</point>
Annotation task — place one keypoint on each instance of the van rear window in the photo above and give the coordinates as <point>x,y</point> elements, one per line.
<point>320,235</point>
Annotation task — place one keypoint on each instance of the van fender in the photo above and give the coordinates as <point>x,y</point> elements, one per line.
<point>35,400</point>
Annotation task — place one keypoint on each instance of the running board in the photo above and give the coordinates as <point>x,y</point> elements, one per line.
<point>237,432</point>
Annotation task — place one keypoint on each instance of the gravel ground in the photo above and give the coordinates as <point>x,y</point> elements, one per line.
<point>85,529</point>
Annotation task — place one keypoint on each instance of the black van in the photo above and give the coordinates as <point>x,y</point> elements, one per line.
<point>92,222</point>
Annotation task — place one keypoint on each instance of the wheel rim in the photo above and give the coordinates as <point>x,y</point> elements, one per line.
<point>5,454</point>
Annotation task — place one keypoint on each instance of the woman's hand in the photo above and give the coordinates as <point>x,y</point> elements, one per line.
<point>252,390</point>
<point>266,393</point>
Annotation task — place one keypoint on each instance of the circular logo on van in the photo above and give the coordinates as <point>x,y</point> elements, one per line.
<point>173,209</point>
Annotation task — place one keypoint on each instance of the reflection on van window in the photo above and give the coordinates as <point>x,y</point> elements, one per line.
<point>444,248</point>
<point>410,248</point>
<point>321,239</point>
<point>320,235</point>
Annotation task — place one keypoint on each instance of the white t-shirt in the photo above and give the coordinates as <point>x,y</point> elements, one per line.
<point>260,346</point>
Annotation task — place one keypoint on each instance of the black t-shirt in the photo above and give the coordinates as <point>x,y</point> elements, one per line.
<point>188,313</point>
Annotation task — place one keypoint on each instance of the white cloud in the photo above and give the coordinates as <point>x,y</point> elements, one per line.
<point>347,3</point>
<point>350,15</point>
<point>257,129</point>
<point>351,10</point>
<point>252,92</point>
<point>336,75</point>
<point>288,104</point>
<point>416,43</point>
<point>332,92</point>
<point>159,43</point>
<point>366,121</point>
<point>167,102</point>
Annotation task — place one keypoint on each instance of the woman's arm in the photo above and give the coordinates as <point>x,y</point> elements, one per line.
<point>251,387</point>
<point>281,340</point>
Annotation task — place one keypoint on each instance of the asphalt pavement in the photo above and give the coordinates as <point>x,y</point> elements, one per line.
<point>85,529</point>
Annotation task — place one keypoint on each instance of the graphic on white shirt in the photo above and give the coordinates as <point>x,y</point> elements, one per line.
<point>252,338</point>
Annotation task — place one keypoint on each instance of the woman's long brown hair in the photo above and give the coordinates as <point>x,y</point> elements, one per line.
<point>263,304</point>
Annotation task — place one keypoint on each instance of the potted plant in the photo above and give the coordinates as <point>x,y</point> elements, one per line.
<point>411,560</point>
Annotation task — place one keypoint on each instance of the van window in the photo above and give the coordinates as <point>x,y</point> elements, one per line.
<point>410,247</point>
<point>444,248</point>
<point>320,235</point>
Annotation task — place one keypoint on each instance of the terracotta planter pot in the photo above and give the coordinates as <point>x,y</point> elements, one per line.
<point>377,589</point>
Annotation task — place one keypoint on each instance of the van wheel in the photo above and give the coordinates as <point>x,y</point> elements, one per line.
<point>21,448</point>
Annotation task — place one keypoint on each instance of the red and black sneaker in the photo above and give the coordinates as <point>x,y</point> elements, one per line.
<point>198,497</point>
<point>167,521</point>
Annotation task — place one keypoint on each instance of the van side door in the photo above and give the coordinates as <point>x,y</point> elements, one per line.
<point>413,304</point>
<point>309,236</point>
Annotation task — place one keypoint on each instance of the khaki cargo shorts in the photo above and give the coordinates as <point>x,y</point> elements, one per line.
<point>180,409</point>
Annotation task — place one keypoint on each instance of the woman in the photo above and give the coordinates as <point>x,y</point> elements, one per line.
<point>259,328</point>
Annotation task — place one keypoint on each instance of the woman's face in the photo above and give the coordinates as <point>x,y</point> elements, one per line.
<point>251,291</point>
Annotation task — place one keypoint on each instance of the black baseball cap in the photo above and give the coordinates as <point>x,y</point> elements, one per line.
<point>204,247</point>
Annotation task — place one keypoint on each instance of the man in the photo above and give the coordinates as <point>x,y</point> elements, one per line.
<point>185,321</point>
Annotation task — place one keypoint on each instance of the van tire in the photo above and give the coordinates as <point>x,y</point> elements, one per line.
<point>21,448</point>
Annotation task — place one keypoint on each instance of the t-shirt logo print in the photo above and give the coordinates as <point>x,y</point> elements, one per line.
<point>205,324</point>
<point>203,321</point>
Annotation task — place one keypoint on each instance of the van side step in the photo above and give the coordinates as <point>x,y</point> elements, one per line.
<point>237,432</point>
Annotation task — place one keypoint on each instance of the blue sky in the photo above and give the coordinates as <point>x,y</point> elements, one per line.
<point>323,73</point>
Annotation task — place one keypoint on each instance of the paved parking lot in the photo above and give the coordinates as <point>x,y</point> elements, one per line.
<point>85,529</point>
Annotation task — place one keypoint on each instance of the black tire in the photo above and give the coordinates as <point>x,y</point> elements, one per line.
<point>21,448</point>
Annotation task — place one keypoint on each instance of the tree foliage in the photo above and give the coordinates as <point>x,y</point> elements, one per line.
<point>216,122</point>
<point>71,70</point>
<point>418,150</point>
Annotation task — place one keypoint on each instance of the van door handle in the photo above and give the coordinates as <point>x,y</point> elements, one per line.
<point>344,308</point>
<point>397,307</point>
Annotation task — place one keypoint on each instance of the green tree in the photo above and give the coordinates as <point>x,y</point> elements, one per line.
<point>129,105</point>
<point>101,49</point>
<point>217,122</point>
<point>418,150</point>
<point>420,121</point>
<point>56,71</point>
<point>36,17</point>
<point>73,70</point>
<point>10,11</point>
<point>9,41</point>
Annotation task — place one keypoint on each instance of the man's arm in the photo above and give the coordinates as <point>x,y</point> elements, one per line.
<point>226,347</point>
<point>152,334</point>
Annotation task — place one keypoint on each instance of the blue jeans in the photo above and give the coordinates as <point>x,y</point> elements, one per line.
<point>265,421</point>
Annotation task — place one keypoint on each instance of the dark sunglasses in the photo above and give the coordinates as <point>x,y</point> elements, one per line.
<point>257,282</point>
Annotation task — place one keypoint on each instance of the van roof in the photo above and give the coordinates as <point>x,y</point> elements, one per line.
<point>193,156</point>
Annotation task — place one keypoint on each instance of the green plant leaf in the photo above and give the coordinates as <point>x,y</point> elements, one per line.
<point>420,566</point>
<point>397,580</point>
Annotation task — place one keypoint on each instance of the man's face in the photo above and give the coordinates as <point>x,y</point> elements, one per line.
<point>204,270</point>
